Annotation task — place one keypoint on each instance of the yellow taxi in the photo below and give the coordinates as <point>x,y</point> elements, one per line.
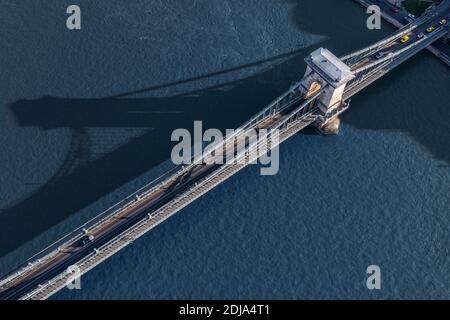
<point>404,39</point>
<point>430,29</point>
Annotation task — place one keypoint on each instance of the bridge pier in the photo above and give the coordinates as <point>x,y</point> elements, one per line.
<point>327,73</point>
<point>332,126</point>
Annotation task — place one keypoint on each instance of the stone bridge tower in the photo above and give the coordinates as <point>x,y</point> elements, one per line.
<point>327,73</point>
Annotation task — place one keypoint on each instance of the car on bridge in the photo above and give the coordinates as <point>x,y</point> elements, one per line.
<point>380,55</point>
<point>443,22</point>
<point>404,39</point>
<point>430,29</point>
<point>84,240</point>
<point>420,35</point>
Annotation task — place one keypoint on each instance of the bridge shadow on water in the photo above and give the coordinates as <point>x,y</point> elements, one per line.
<point>80,182</point>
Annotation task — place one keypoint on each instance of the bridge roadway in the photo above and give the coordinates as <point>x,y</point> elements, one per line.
<point>189,184</point>
<point>380,70</point>
<point>397,52</point>
<point>45,273</point>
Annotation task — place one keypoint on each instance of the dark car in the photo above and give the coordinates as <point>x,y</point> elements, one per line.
<point>85,240</point>
<point>380,55</point>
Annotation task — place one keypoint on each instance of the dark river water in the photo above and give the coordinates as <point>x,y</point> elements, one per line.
<point>86,118</point>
